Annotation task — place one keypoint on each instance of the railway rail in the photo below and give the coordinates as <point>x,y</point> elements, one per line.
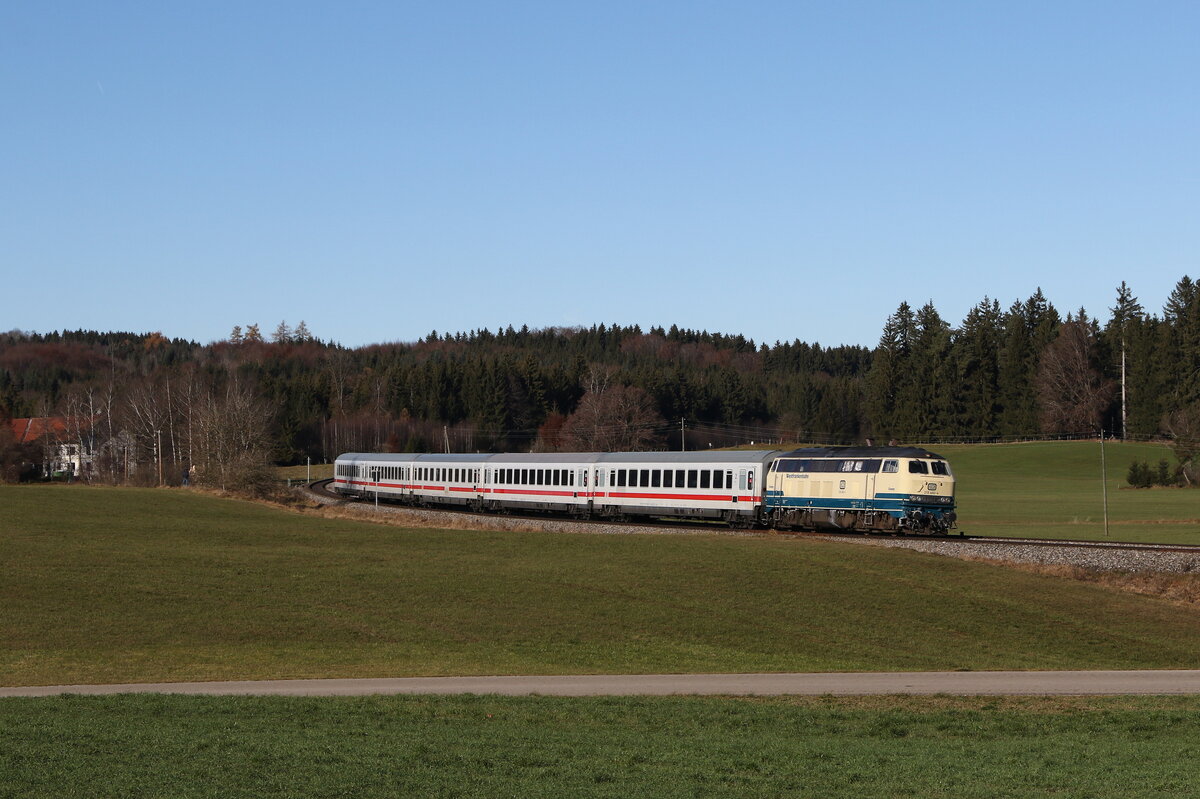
<point>943,542</point>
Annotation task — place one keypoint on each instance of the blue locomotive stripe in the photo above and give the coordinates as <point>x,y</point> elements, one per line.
<point>895,504</point>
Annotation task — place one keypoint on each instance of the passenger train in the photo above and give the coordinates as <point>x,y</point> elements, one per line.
<point>871,489</point>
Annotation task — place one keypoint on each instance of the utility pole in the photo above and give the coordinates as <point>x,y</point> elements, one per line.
<point>1104,481</point>
<point>682,435</point>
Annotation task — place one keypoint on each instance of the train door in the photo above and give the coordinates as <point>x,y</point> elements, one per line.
<point>869,492</point>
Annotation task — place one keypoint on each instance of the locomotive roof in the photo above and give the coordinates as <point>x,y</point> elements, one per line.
<point>861,452</point>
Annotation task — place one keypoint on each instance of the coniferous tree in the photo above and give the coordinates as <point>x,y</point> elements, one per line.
<point>889,367</point>
<point>977,346</point>
<point>1182,315</point>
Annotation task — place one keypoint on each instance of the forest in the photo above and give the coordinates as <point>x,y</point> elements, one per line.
<point>224,409</point>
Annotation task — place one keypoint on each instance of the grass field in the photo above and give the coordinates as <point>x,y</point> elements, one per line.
<point>134,746</point>
<point>1054,490</point>
<point>117,585</point>
<point>318,471</point>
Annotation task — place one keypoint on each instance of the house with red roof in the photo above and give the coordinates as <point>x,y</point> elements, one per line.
<point>67,449</point>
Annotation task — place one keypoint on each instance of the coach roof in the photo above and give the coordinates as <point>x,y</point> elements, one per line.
<point>721,456</point>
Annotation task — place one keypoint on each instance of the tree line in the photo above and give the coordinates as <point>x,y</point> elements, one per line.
<point>1002,373</point>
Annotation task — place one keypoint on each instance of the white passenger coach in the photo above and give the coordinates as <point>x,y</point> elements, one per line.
<point>717,485</point>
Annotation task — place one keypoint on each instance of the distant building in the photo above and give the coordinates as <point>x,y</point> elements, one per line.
<point>64,451</point>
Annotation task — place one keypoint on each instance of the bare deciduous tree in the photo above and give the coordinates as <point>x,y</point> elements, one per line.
<point>231,446</point>
<point>1183,426</point>
<point>1071,392</point>
<point>611,418</point>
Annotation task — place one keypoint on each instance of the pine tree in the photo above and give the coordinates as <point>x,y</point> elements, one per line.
<point>1182,315</point>
<point>889,367</point>
<point>977,347</point>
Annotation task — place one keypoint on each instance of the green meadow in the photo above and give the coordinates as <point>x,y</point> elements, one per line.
<point>118,585</point>
<point>150,746</point>
<point>1056,490</point>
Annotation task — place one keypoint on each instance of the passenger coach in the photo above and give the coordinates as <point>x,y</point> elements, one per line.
<point>715,485</point>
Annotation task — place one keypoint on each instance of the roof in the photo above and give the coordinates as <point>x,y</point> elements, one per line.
<point>861,452</point>
<point>723,456</point>
<point>26,431</point>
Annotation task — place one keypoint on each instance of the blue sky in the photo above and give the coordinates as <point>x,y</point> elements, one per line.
<point>781,170</point>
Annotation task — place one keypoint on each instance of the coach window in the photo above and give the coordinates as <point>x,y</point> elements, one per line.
<point>656,478</point>
<point>891,466</point>
<point>679,479</point>
<point>620,478</point>
<point>668,479</point>
<point>918,467</point>
<point>705,478</point>
<point>645,481</point>
<point>693,478</point>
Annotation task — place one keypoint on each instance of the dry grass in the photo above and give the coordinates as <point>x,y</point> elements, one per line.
<point>1182,589</point>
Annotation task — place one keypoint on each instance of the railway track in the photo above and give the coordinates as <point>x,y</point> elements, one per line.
<point>321,489</point>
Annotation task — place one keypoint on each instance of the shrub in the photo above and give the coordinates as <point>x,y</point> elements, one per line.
<point>1139,475</point>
